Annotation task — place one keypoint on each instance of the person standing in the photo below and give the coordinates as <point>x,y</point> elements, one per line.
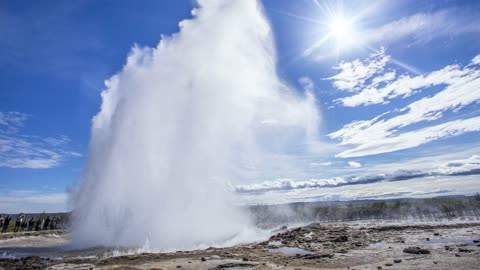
<point>47,222</point>
<point>52,223</point>
<point>18,223</point>
<point>1,221</point>
<point>42,223</point>
<point>31,224</point>
<point>6,223</point>
<point>24,224</point>
<point>38,224</point>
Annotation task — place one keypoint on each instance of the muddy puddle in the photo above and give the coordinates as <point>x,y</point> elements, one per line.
<point>291,251</point>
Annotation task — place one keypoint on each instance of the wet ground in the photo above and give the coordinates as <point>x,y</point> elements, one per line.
<point>315,246</point>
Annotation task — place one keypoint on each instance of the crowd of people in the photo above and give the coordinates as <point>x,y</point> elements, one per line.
<point>23,224</point>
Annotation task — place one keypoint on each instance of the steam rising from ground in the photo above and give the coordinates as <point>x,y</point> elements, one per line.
<point>178,124</point>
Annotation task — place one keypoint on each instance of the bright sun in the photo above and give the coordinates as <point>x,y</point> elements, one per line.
<point>338,29</point>
<point>342,30</point>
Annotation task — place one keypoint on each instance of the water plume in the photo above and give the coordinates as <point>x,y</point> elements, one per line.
<point>178,124</point>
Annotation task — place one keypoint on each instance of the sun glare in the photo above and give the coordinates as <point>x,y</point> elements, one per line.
<point>340,28</point>
<point>343,32</point>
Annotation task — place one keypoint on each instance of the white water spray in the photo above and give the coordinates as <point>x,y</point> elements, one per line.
<point>178,124</point>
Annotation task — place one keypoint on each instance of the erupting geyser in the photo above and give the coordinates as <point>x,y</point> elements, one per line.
<point>178,124</point>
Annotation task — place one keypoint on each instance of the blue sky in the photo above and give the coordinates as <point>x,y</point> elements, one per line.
<point>397,87</point>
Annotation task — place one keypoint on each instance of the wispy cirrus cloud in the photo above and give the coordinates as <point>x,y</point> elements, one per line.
<point>19,150</point>
<point>366,147</point>
<point>451,76</point>
<point>410,30</point>
<point>384,133</point>
<point>425,26</point>
<point>10,122</point>
<point>31,201</point>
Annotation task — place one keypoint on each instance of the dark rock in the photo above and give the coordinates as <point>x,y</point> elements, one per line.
<point>245,259</point>
<point>179,266</point>
<point>342,238</point>
<point>476,241</point>
<point>318,256</point>
<point>424,251</point>
<point>397,260</point>
<point>447,248</point>
<point>428,239</point>
<point>457,255</point>
<point>464,250</point>
<point>379,267</point>
<point>436,234</point>
<point>388,264</point>
<point>416,250</point>
<point>203,259</point>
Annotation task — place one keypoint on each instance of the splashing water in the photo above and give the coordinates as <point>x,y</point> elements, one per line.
<point>178,124</point>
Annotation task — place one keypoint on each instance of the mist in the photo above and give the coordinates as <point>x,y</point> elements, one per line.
<point>180,123</point>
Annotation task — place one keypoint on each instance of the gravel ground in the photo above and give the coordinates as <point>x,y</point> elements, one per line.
<point>315,246</point>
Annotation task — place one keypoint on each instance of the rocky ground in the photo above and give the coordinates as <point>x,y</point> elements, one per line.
<point>7,236</point>
<point>316,246</point>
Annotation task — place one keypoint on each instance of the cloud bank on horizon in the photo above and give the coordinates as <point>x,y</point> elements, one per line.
<point>462,167</point>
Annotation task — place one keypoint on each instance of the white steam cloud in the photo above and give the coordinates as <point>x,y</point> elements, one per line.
<point>178,124</point>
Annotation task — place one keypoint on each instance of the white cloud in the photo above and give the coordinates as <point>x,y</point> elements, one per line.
<point>386,77</point>
<point>28,201</point>
<point>289,184</point>
<point>382,134</point>
<point>452,76</point>
<point>425,27</point>
<point>26,151</point>
<point>354,164</point>
<point>413,139</point>
<point>476,60</point>
<point>353,75</point>
<point>314,164</point>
